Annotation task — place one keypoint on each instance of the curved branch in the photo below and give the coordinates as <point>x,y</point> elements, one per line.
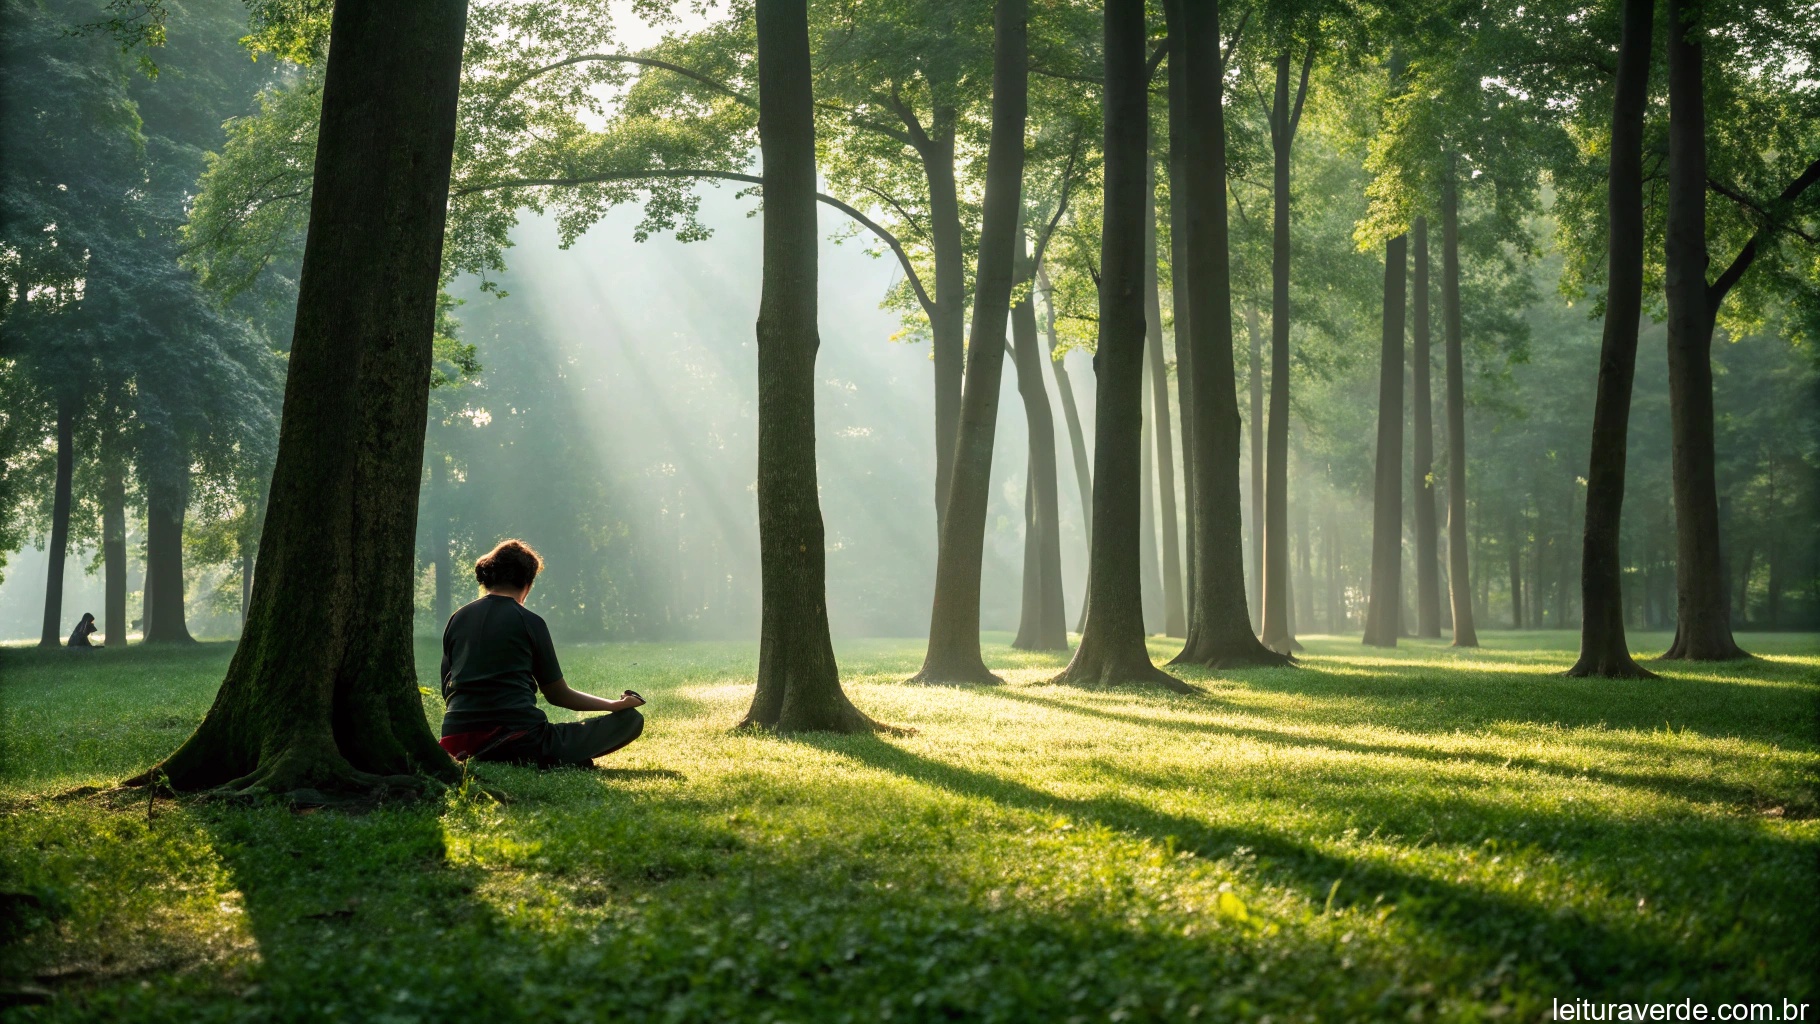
<point>1716,291</point>
<point>916,283</point>
<point>626,58</point>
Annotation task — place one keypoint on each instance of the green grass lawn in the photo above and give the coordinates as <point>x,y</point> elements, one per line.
<point>1413,835</point>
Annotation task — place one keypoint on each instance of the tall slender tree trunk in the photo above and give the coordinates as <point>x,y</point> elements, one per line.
<point>1703,630</point>
<point>1516,572</point>
<point>1178,278</point>
<point>52,636</point>
<point>1286,116</point>
<point>1149,574</point>
<point>1219,629</point>
<point>1603,648</point>
<point>1459,579</point>
<point>440,559</point>
<point>798,681</point>
<point>1043,624</point>
<point>1255,431</point>
<point>1175,619</point>
<point>1071,416</point>
<point>948,327</point>
<point>1427,546</point>
<point>1112,649</point>
<point>1302,610</point>
<point>954,636</point>
<point>1383,612</point>
<point>167,499</point>
<point>113,537</point>
<point>321,696</point>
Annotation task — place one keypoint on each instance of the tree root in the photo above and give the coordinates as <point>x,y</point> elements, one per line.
<point>980,676</point>
<point>1094,672</point>
<point>1612,665</point>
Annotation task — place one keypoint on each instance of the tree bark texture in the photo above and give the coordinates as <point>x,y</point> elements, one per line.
<point>798,681</point>
<point>954,637</point>
<point>321,696</point>
<point>61,497</point>
<point>1422,445</point>
<point>1219,629</point>
<point>1459,579</point>
<point>1112,649</point>
<point>1603,647</point>
<point>1383,612</point>
<point>1703,629</point>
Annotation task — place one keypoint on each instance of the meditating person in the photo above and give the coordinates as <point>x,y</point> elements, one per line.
<point>84,630</point>
<point>496,658</point>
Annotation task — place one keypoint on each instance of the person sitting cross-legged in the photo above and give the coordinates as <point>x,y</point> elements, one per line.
<point>497,656</point>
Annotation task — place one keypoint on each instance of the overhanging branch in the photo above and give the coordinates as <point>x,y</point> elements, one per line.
<point>903,258</point>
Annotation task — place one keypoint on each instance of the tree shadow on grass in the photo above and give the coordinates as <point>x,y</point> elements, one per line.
<point>1796,803</point>
<point>1568,949</point>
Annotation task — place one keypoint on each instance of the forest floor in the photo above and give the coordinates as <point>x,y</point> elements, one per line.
<point>1417,834</point>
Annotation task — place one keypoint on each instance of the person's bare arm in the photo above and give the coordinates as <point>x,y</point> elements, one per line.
<point>559,694</point>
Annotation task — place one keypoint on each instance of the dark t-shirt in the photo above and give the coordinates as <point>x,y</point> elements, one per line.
<point>495,655</point>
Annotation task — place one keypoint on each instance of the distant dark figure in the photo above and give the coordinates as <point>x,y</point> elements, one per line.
<point>84,630</point>
<point>497,656</point>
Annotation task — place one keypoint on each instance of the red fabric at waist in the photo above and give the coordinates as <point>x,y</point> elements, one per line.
<point>464,745</point>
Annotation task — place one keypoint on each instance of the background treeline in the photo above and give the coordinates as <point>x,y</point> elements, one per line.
<point>153,225</point>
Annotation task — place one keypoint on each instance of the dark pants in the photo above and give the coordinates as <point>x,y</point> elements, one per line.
<point>555,744</point>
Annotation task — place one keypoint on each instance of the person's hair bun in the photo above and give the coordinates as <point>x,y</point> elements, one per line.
<point>511,564</point>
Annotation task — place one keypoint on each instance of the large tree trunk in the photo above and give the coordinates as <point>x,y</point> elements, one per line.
<point>167,499</point>
<point>1422,445</point>
<point>52,636</point>
<point>113,537</point>
<point>1178,279</point>
<point>1383,613</point>
<point>798,681</point>
<point>1603,649</point>
<point>1219,629</point>
<point>1174,619</point>
<point>322,693</point>
<point>1278,633</point>
<point>1459,579</point>
<point>1703,630</point>
<point>954,621</point>
<point>1255,430</point>
<point>1112,648</point>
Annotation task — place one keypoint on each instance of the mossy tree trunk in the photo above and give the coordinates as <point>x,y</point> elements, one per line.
<point>321,696</point>
<point>1112,648</point>
<point>1219,627</point>
<point>954,621</point>
<point>798,681</point>
<point>1383,613</point>
<point>1604,650</point>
